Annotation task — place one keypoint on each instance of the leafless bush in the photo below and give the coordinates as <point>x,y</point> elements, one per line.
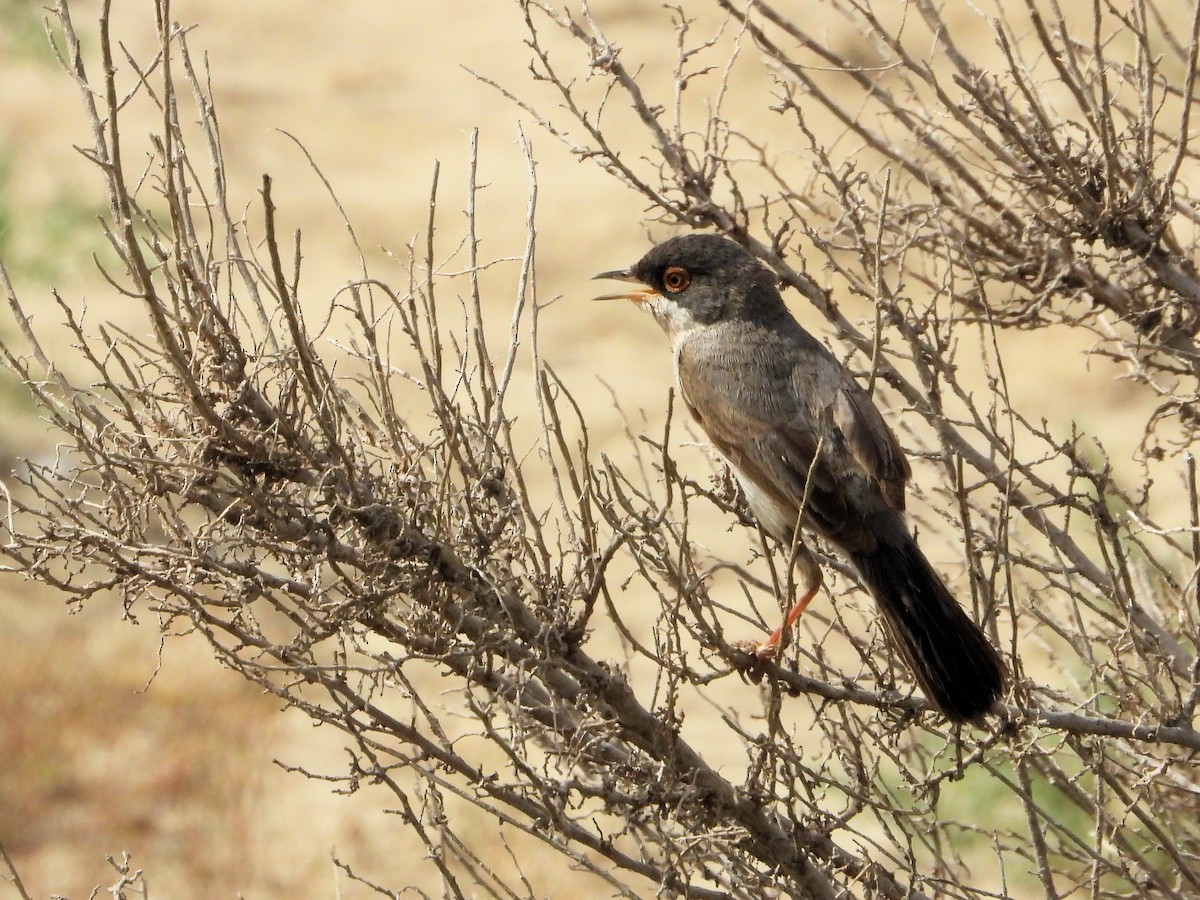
<point>345,519</point>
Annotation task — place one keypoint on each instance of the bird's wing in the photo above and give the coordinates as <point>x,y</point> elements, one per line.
<point>772,441</point>
<point>869,439</point>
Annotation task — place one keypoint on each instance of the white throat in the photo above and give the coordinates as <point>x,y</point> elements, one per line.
<point>677,321</point>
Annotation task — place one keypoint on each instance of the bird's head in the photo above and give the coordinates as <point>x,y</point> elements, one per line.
<point>698,279</point>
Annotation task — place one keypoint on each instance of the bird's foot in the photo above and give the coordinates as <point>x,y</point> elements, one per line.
<point>760,653</point>
<point>760,650</point>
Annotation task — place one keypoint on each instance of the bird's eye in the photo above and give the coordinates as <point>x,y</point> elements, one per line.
<point>675,279</point>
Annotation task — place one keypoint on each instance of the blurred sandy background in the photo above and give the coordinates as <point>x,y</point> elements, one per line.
<point>182,774</point>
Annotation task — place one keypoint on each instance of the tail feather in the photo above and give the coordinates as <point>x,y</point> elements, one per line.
<point>954,662</point>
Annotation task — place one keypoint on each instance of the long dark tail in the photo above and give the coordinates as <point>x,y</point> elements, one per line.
<point>954,662</point>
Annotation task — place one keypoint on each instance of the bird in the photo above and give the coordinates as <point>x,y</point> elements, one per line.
<point>809,449</point>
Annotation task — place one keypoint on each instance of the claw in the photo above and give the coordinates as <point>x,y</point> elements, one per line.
<point>766,652</point>
<point>760,656</point>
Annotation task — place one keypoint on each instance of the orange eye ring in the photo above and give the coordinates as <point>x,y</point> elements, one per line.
<point>676,279</point>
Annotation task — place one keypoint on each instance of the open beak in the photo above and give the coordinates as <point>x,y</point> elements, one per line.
<point>639,295</point>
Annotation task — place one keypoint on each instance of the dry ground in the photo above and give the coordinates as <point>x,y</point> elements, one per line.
<point>181,773</point>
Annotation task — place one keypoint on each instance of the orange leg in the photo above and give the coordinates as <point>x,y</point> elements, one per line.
<point>812,579</point>
<point>770,647</point>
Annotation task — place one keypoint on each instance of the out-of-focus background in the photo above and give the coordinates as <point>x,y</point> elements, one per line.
<point>105,747</point>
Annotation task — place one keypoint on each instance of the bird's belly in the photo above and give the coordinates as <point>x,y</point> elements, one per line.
<point>777,520</point>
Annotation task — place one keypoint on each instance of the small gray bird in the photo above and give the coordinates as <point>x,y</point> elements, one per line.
<point>808,446</point>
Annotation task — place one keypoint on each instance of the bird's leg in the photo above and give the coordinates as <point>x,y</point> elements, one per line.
<point>810,572</point>
<point>770,646</point>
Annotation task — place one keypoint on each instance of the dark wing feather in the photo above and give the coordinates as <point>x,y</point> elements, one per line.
<point>871,442</point>
<point>771,438</point>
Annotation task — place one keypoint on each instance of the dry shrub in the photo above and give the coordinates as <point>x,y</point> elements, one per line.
<point>354,525</point>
